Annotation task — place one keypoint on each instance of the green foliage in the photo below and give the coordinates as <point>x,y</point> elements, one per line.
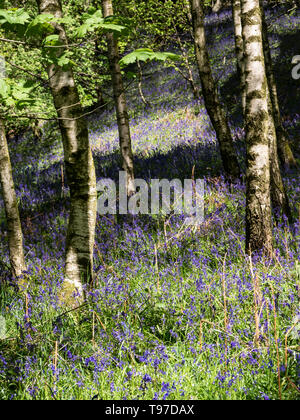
<point>52,40</point>
<point>17,94</point>
<point>147,55</point>
<point>40,26</point>
<point>167,316</point>
<point>4,89</point>
<point>38,31</point>
<point>152,22</point>
<point>94,21</point>
<point>14,20</point>
<point>14,17</point>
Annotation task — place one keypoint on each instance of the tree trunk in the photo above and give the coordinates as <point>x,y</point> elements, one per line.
<point>15,236</point>
<point>209,89</point>
<point>239,48</point>
<point>140,84</point>
<point>258,202</point>
<point>120,102</point>
<point>279,197</point>
<point>80,169</point>
<point>217,5</point>
<point>97,54</point>
<point>284,150</point>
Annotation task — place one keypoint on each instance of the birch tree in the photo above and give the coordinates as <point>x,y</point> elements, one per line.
<point>258,200</point>
<point>15,235</point>
<point>120,102</point>
<point>284,150</point>
<point>279,197</point>
<point>239,48</point>
<point>216,5</point>
<point>210,94</point>
<point>79,165</point>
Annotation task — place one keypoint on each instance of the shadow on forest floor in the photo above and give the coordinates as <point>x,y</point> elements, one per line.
<point>40,181</point>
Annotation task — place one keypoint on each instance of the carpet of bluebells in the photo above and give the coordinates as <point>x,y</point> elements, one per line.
<point>175,312</point>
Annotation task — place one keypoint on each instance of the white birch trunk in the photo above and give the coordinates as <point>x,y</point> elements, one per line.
<point>258,201</point>
<point>239,48</point>
<point>80,170</point>
<point>15,235</point>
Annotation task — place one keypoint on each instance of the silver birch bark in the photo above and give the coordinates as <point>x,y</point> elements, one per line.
<point>15,235</point>
<point>80,169</point>
<point>217,5</point>
<point>210,94</point>
<point>279,197</point>
<point>120,102</point>
<point>284,150</point>
<point>239,48</point>
<point>258,201</point>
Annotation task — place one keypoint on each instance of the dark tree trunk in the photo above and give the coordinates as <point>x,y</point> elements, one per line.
<point>284,150</point>
<point>120,102</point>
<point>210,94</point>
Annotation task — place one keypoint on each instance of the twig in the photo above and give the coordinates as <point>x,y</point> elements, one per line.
<point>140,84</point>
<point>36,76</point>
<point>35,117</point>
<point>12,41</point>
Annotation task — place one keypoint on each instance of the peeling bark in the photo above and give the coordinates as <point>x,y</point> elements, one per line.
<point>15,235</point>
<point>120,102</point>
<point>80,170</point>
<point>258,201</point>
<point>210,94</point>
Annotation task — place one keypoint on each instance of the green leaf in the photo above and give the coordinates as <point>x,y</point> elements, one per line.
<point>81,31</point>
<point>131,75</point>
<point>4,89</point>
<point>91,20</point>
<point>112,27</point>
<point>14,17</point>
<point>95,21</point>
<point>66,20</point>
<point>146,54</point>
<point>24,103</point>
<point>64,61</point>
<point>41,26</point>
<point>167,56</point>
<point>20,93</point>
<point>17,94</point>
<point>29,84</point>
<point>52,40</point>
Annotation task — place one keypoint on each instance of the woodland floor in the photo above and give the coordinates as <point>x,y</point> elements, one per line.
<point>157,325</point>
